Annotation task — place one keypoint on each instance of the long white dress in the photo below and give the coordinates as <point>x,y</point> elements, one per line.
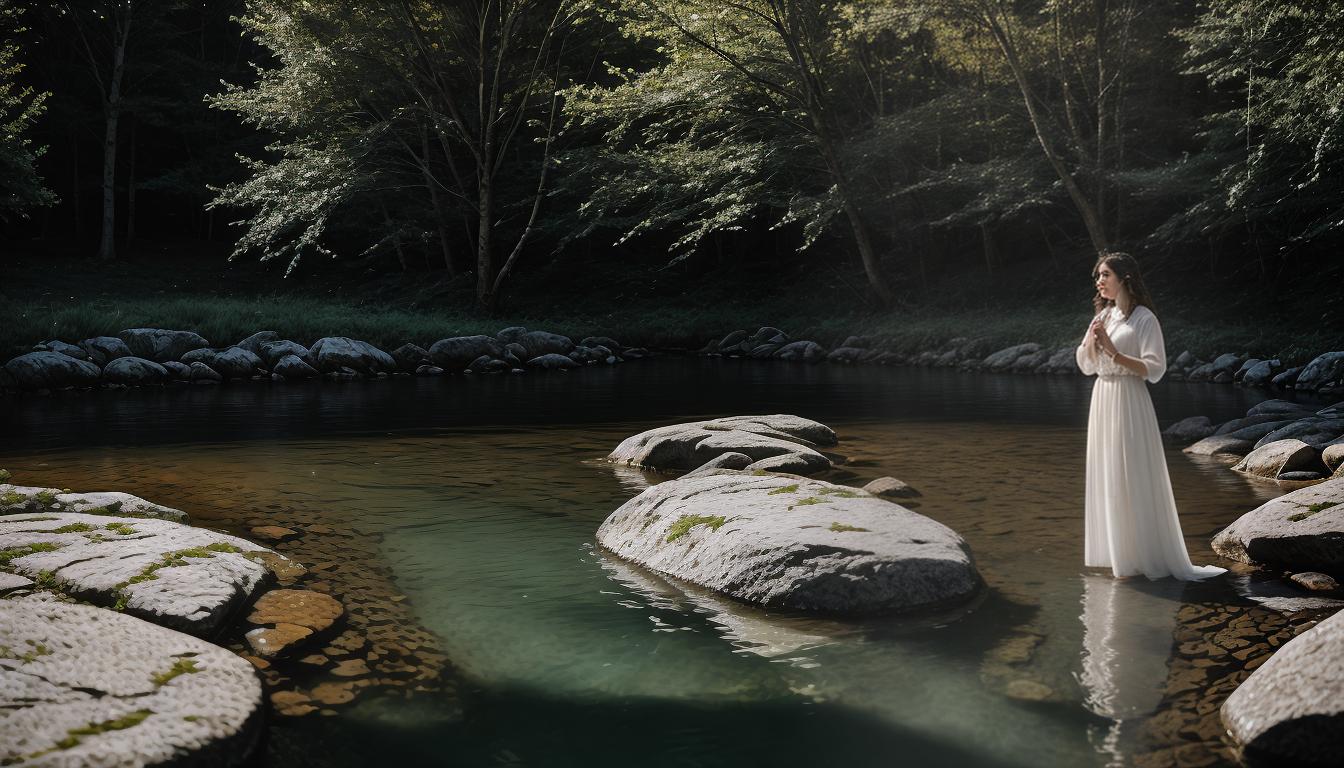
<point>1131,521</point>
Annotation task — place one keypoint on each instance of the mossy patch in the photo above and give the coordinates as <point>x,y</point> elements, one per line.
<point>93,729</point>
<point>1312,509</point>
<point>842,528</point>
<point>785,489</point>
<point>45,579</point>
<point>8,556</point>
<point>121,529</point>
<point>844,493</point>
<point>221,546</point>
<point>807,502</point>
<point>12,499</point>
<point>685,523</point>
<point>35,651</point>
<point>46,498</point>
<point>180,667</point>
<point>73,528</point>
<point>4,475</point>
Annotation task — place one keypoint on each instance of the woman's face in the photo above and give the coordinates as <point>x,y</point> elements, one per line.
<point>1108,283</point>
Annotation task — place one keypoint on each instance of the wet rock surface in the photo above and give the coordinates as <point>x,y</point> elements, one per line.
<point>1300,531</point>
<point>174,575</point>
<point>794,543</point>
<point>691,445</point>
<point>1290,711</point>
<point>20,499</point>
<point>84,686</point>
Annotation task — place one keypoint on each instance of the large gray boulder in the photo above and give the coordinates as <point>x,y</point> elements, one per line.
<point>181,577</point>
<point>1281,456</point>
<point>21,499</point>
<point>688,446</point>
<point>293,367</point>
<point>1221,445</point>
<point>793,543</point>
<point>458,352</point>
<point>230,363</point>
<point>1299,531</point>
<point>104,349</point>
<point>336,352</point>
<point>538,343</point>
<point>1004,359</point>
<point>1261,374</point>
<point>82,686</point>
<point>1316,431</point>
<point>552,362</point>
<point>50,370</point>
<point>1189,430</point>
<point>1325,369</point>
<point>134,372</point>
<point>1287,408</point>
<point>801,351</point>
<point>1290,711</point>
<point>273,351</point>
<point>410,357</point>
<point>64,348</point>
<point>602,341</point>
<point>256,341</point>
<point>160,345</point>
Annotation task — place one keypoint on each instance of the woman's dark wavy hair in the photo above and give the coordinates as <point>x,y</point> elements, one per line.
<point>1127,269</point>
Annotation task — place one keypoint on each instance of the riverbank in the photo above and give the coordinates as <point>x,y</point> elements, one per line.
<point>62,297</point>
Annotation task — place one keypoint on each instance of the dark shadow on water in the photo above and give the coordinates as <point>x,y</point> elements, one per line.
<point>522,728</point>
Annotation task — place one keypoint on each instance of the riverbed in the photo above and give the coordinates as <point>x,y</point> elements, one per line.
<point>483,494</point>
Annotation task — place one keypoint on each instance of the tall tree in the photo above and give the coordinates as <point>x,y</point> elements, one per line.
<point>455,99</point>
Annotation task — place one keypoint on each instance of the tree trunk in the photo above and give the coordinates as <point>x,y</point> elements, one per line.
<point>485,266</point>
<point>107,244</point>
<point>130,191</point>
<point>1095,231</point>
<point>435,201</point>
<point>396,238</point>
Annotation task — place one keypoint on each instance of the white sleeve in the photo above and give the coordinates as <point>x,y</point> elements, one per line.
<point>1152,348</point>
<point>1086,356</point>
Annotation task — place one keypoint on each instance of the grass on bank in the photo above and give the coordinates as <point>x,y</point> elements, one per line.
<point>74,298</point>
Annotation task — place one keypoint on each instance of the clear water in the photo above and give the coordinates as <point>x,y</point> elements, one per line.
<point>488,491</point>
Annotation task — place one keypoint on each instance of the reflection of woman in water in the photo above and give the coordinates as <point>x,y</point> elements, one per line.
<point>1131,522</point>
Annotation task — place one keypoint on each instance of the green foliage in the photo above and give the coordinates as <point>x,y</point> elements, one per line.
<point>11,554</point>
<point>183,666</point>
<point>21,189</point>
<point>843,528</point>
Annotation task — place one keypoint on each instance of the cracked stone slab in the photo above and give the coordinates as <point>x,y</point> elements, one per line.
<point>1299,531</point>
<point>1290,711</point>
<point>684,447</point>
<point>18,499</point>
<point>185,578</point>
<point>84,686</point>
<point>793,543</point>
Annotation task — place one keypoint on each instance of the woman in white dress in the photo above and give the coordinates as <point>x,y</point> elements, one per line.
<point>1131,522</point>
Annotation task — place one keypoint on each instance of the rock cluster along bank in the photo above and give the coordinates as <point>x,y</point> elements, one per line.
<point>1323,375</point>
<point>737,525</point>
<point>151,356</point>
<point>109,608</point>
<point>1276,440</point>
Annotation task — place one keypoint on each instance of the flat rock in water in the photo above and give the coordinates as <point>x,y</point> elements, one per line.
<point>1314,581</point>
<point>1281,456</point>
<point>50,370</point>
<point>83,686</point>
<point>793,543</point>
<point>1299,531</point>
<point>689,446</point>
<point>1221,444</point>
<point>801,351</point>
<point>730,460</point>
<point>273,352</point>
<point>551,362</point>
<point>1316,431</point>
<point>159,345</point>
<point>256,341</point>
<point>293,367</point>
<point>174,575</point>
<point>891,488</point>
<point>21,499</point>
<point>1290,711</point>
